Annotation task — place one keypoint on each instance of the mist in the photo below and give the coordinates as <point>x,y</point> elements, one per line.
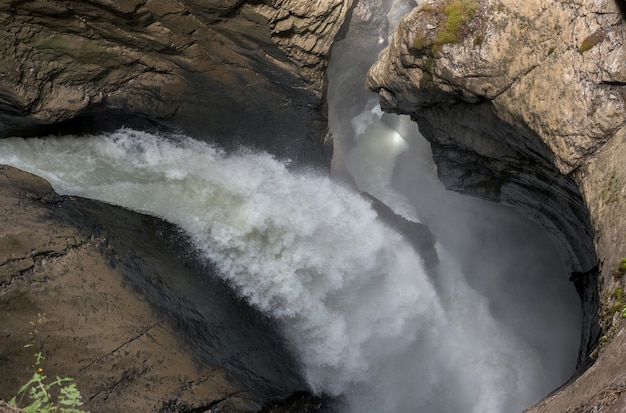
<point>502,282</point>
<point>350,295</point>
<point>492,329</point>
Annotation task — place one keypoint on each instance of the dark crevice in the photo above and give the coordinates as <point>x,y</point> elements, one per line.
<point>205,408</point>
<point>90,122</point>
<point>586,284</point>
<point>613,83</point>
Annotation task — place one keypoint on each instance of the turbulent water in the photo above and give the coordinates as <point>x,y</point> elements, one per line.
<point>351,296</point>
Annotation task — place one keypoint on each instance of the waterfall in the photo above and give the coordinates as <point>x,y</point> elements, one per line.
<point>350,295</point>
<point>348,292</point>
<point>510,306</point>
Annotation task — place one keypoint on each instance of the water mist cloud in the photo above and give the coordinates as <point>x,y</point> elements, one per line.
<point>515,317</point>
<point>350,294</point>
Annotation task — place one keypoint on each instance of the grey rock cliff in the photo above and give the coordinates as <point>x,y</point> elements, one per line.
<point>524,103</point>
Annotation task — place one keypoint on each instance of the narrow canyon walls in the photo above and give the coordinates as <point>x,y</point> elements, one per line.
<point>524,103</point>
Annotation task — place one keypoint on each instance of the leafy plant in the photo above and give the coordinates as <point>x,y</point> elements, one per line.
<point>41,394</point>
<point>590,41</point>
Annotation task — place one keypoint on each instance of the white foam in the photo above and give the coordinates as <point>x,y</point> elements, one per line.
<point>350,293</point>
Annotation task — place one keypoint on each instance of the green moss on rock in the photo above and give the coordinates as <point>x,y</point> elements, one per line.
<point>453,18</point>
<point>459,13</point>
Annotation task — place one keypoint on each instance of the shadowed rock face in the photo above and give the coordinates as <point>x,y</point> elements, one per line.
<point>232,71</point>
<point>113,299</point>
<point>523,103</point>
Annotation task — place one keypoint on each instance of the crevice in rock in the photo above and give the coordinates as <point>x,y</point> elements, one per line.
<point>174,406</point>
<point>586,284</point>
<point>93,121</point>
<point>127,377</point>
<point>127,342</point>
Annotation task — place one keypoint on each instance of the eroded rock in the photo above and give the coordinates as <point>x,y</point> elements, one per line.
<point>236,72</point>
<point>524,103</point>
<point>527,58</point>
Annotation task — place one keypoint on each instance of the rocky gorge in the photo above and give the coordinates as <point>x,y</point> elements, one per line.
<point>227,70</point>
<point>523,104</point>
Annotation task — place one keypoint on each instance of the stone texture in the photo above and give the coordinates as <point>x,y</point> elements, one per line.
<point>108,300</point>
<point>236,72</point>
<point>102,303</point>
<point>526,106</point>
<point>5,408</point>
<point>602,388</point>
<point>526,58</point>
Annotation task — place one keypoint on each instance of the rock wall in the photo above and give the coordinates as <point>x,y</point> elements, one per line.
<point>524,103</point>
<point>83,278</point>
<point>231,71</point>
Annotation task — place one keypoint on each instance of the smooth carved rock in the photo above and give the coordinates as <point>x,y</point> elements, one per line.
<point>525,104</point>
<point>230,71</point>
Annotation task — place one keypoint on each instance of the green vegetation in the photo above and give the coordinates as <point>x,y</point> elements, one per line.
<point>590,41</point>
<point>454,17</point>
<point>611,193</point>
<point>58,396</point>
<point>618,305</point>
<point>621,268</point>
<point>421,41</point>
<point>428,79</point>
<point>459,13</point>
<point>612,304</point>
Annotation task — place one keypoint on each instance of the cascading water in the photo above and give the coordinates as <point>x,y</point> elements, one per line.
<point>519,319</point>
<point>351,295</point>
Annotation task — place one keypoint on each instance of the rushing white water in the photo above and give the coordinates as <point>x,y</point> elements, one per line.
<point>350,294</point>
<point>517,326</point>
<point>300,248</point>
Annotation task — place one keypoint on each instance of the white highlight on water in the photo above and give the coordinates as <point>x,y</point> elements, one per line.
<point>350,294</point>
